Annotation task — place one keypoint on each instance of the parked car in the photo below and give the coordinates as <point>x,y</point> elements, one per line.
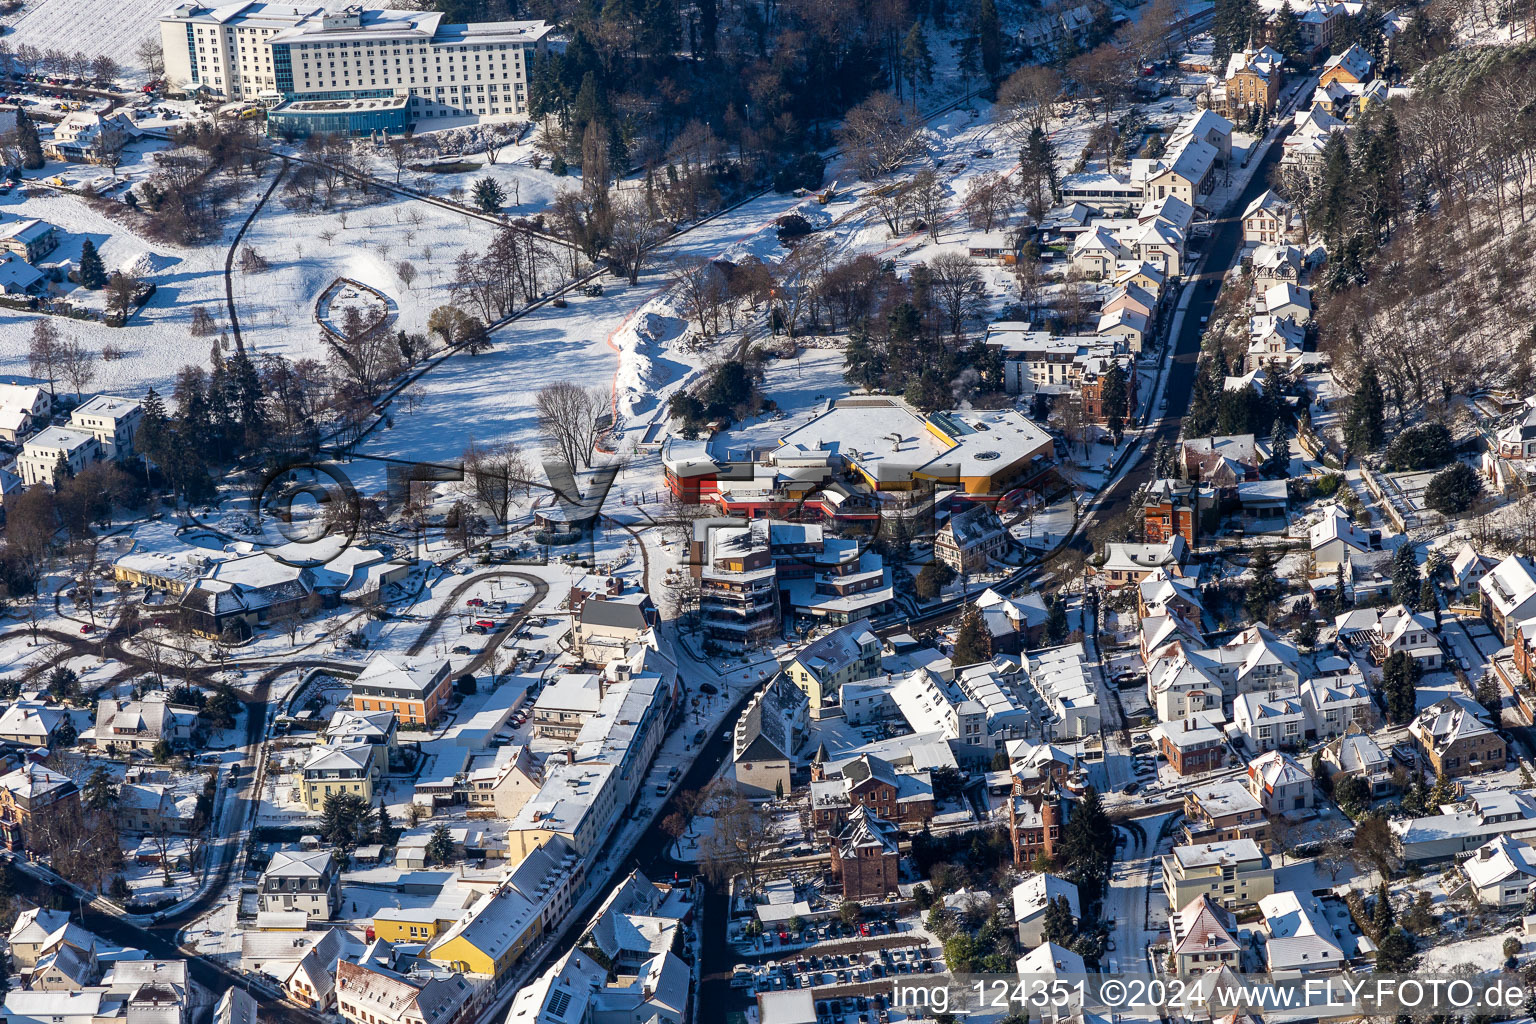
<point>461,649</point>
<point>475,602</point>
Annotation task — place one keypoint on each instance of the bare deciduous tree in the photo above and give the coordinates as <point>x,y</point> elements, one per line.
<point>703,289</point>
<point>496,475</point>
<point>880,135</point>
<point>569,415</point>
<point>45,355</point>
<point>1027,99</point>
<point>634,232</point>
<point>928,200</point>
<point>78,365</point>
<point>957,288</point>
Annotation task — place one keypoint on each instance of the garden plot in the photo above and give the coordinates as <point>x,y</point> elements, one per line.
<point>401,248</point>
<point>346,298</point>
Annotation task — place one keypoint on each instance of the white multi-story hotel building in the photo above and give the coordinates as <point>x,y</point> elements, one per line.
<point>350,70</point>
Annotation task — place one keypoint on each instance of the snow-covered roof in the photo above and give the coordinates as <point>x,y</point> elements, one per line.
<point>1335,525</point>
<point>1500,859</point>
<point>1032,895</point>
<point>1229,853</point>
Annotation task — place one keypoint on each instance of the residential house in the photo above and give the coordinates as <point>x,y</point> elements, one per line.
<point>22,407</point>
<point>1284,300</point>
<point>1204,938</point>
<point>1236,873</point>
<point>1335,702</point>
<point>1128,327</point>
<point>1335,542</point>
<point>416,692</point>
<point>769,732</point>
<point>311,982</point>
<point>1279,782</point>
<point>1208,126</point>
<point>142,724</point>
<point>869,781</point>
<point>1097,251</point>
<point>1252,82</point>
<point>1132,297</point>
<point>1482,817</point>
<point>1277,262</point>
<point>29,238</point>
<point>1125,565</point>
<point>341,768</point>
<point>1319,21</point>
<point>605,629</point>
<point>1192,745</point>
<point>369,993</point>
<point>307,880</point>
<point>1090,388</point>
<point>114,422</point>
<point>375,728</point>
<point>32,934</point>
<point>1355,753</point>
<point>235,1006</point>
<point>1268,220</point>
<point>1276,342</point>
<point>1456,741</point>
<point>85,136</point>
<point>1508,596</point>
<point>490,939</point>
<point>1500,872</point>
<point>29,796</point>
<point>31,723</point>
<point>1186,171</point>
<point>1016,623</point>
<point>1308,140</point>
<point>149,808</point>
<point>1270,723</point>
<point>18,277</point>
<point>1222,461</point>
<point>1468,569</point>
<point>1352,67</point>
<point>845,655</point>
<point>1304,938</point>
<point>88,1006</point>
<point>44,452</point>
<point>1518,439</point>
<point>971,540</point>
<point>865,856</point>
<point>501,788</point>
<point>1218,812</point>
<point>1172,507</point>
<point>1382,633</point>
<point>1032,896</point>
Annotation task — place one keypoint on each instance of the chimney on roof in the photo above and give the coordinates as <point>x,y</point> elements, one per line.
<point>1485,854</point>
<point>570,755</point>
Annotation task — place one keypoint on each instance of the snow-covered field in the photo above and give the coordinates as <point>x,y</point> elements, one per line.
<point>114,28</point>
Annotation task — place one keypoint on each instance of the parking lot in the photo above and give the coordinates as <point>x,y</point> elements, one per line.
<point>848,988</point>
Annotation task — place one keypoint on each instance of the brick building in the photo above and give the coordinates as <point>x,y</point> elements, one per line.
<point>865,856</point>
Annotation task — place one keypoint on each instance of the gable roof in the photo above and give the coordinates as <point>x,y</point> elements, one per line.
<point>827,655</point>
<point>1203,927</point>
<point>1335,525</point>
